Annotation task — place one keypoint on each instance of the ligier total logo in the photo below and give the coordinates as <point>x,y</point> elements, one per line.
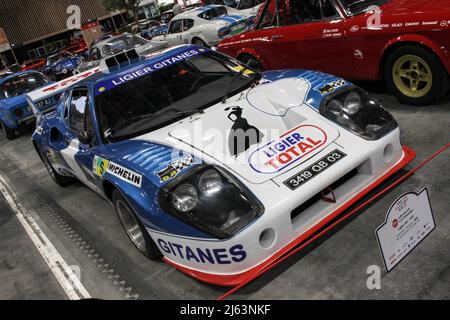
<point>290,148</point>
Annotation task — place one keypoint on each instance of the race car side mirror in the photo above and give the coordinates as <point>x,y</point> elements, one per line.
<point>85,137</point>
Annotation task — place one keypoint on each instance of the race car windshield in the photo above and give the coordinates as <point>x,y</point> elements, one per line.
<point>120,44</point>
<point>168,95</point>
<point>353,7</point>
<point>21,85</point>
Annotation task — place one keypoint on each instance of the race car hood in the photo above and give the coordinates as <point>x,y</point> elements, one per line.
<point>260,133</point>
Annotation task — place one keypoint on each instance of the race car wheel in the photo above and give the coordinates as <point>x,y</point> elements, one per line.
<point>415,75</point>
<point>199,42</point>
<point>60,180</point>
<point>134,228</point>
<point>10,133</point>
<point>254,63</point>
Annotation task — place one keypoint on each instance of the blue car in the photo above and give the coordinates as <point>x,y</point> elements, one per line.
<point>61,64</point>
<point>14,109</point>
<point>155,31</point>
<point>218,168</point>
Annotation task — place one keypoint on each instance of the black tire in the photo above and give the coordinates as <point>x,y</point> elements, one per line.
<point>145,243</point>
<point>199,42</point>
<point>254,63</point>
<point>439,76</point>
<point>59,179</point>
<point>9,133</point>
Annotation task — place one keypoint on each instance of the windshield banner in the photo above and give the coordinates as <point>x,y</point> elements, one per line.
<point>145,69</point>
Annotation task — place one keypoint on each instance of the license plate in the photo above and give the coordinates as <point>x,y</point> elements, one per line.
<point>314,170</point>
<point>42,104</point>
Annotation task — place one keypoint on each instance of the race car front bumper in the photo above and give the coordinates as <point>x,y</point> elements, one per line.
<point>291,217</point>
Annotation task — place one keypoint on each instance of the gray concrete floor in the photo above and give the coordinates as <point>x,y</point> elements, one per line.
<point>86,232</point>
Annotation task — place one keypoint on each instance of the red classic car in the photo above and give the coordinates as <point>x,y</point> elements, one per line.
<point>36,64</point>
<point>404,42</point>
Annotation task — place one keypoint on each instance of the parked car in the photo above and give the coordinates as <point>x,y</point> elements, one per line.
<point>206,26</point>
<point>77,46</point>
<point>152,32</point>
<point>61,65</point>
<point>35,64</point>
<point>405,43</point>
<point>166,17</point>
<point>191,148</point>
<point>117,44</point>
<point>14,109</point>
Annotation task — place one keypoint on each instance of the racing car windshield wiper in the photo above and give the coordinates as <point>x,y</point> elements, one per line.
<point>236,76</point>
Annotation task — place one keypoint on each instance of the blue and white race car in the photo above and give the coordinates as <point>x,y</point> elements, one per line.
<point>14,109</point>
<point>218,168</point>
<point>61,64</point>
<point>206,26</point>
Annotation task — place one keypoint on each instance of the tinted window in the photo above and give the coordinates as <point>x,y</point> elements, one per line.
<point>77,110</point>
<point>187,24</point>
<point>20,85</point>
<point>175,26</point>
<point>95,54</point>
<point>304,11</point>
<point>167,95</point>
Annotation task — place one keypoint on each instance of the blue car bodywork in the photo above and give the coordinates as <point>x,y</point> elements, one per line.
<point>61,64</point>
<point>155,31</point>
<point>14,109</point>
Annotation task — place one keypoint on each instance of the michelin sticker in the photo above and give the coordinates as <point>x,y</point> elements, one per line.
<point>103,166</point>
<point>408,222</point>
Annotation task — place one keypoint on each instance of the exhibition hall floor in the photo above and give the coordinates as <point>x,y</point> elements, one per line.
<point>86,233</point>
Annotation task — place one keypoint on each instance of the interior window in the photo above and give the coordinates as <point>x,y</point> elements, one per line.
<point>175,26</point>
<point>95,55</point>
<point>77,110</point>
<point>187,24</point>
<point>305,11</point>
<point>268,18</point>
<point>213,13</point>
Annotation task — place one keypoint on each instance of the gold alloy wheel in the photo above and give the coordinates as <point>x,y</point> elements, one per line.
<point>412,76</point>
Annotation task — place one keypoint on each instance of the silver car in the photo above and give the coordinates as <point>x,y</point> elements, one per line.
<point>112,46</point>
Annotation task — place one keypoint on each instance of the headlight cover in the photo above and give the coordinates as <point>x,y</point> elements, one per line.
<point>356,111</point>
<point>212,200</point>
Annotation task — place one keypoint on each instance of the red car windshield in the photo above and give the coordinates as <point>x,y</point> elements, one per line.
<point>354,7</point>
<point>21,84</point>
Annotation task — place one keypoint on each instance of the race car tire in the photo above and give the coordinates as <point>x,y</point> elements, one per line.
<point>415,75</point>
<point>9,133</point>
<point>254,63</point>
<point>59,179</point>
<point>134,228</point>
<point>199,42</point>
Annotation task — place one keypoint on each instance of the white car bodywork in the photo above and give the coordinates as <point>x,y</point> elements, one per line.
<point>277,228</point>
<point>206,31</point>
<point>149,46</point>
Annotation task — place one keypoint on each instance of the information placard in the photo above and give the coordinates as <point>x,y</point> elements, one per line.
<point>409,221</point>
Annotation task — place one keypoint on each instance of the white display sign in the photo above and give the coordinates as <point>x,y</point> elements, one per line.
<point>408,222</point>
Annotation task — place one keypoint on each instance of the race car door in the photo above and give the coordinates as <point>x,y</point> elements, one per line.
<point>79,155</point>
<point>174,36</point>
<point>310,35</point>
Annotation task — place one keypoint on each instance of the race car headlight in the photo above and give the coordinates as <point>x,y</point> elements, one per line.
<point>212,200</point>
<point>355,110</point>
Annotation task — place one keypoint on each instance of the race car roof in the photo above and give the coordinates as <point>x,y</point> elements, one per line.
<point>195,12</point>
<point>108,79</point>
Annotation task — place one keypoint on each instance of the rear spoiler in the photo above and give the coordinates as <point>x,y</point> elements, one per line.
<point>54,89</point>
